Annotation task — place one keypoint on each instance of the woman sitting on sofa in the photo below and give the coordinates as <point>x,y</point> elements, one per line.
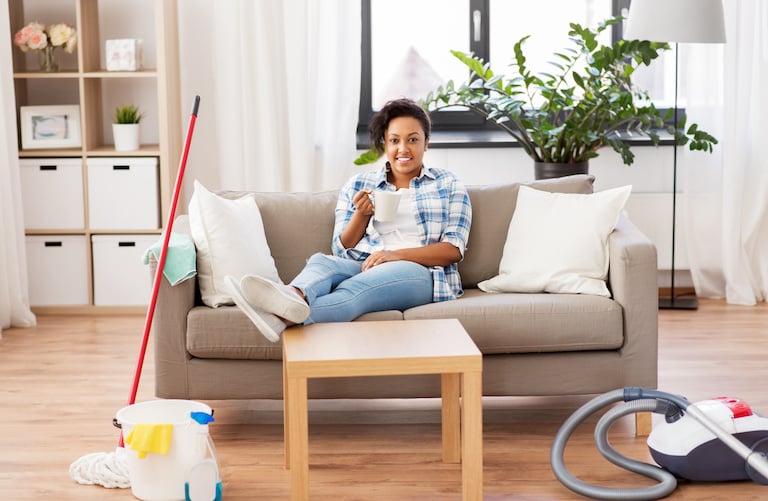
<point>376,266</point>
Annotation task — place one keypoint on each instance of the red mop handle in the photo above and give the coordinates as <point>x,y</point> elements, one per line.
<point>161,259</point>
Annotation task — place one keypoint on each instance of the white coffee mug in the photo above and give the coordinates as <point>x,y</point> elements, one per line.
<point>385,205</point>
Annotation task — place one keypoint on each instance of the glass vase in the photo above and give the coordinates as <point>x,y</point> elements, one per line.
<point>48,62</point>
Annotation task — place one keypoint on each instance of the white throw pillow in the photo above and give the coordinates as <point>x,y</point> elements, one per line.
<point>229,238</point>
<point>558,242</point>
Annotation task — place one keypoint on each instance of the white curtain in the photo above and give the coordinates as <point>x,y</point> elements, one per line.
<point>279,84</point>
<point>14,298</point>
<point>727,192</point>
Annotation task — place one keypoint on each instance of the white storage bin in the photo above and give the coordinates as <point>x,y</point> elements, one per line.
<point>123,193</point>
<point>52,193</point>
<point>119,276</point>
<point>57,266</point>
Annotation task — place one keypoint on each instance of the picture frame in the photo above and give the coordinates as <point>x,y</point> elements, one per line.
<point>53,126</point>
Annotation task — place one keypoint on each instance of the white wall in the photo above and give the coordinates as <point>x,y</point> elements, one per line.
<point>651,172</point>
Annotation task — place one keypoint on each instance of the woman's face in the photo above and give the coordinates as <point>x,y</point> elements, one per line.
<point>405,146</point>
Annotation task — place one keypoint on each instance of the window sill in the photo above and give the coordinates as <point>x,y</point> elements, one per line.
<point>489,138</point>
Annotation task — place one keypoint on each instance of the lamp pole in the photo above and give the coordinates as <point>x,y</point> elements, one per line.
<point>673,302</point>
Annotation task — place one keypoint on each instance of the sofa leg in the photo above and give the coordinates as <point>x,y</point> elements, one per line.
<point>643,424</point>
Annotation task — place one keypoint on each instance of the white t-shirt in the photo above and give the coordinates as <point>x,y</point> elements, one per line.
<point>402,232</point>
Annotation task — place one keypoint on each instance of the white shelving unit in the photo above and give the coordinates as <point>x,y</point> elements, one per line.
<point>59,184</point>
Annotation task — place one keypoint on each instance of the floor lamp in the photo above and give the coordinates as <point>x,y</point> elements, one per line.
<point>676,21</point>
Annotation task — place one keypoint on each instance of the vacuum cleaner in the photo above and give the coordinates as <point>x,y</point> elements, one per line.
<point>715,440</point>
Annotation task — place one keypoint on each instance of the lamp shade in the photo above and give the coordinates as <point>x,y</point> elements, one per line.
<point>684,21</point>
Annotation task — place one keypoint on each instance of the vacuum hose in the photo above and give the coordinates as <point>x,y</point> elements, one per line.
<point>667,482</point>
<point>639,400</point>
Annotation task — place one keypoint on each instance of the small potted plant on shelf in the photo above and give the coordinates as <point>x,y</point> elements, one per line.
<point>125,128</point>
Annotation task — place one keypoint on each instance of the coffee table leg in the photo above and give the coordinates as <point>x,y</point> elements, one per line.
<point>286,418</point>
<point>298,443</point>
<point>451,417</point>
<point>472,435</point>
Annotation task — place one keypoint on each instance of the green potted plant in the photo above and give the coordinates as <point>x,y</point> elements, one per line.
<point>125,128</point>
<point>561,119</point>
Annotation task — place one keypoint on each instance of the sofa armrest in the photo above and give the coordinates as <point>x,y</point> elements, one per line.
<point>169,330</point>
<point>632,279</point>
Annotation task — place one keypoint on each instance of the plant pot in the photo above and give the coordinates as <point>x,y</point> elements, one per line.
<point>126,136</point>
<point>549,170</point>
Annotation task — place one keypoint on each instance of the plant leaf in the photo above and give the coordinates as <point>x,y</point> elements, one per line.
<point>368,157</point>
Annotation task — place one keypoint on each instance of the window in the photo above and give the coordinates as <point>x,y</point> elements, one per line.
<point>409,59</point>
<point>403,56</point>
<point>548,23</point>
<point>406,43</point>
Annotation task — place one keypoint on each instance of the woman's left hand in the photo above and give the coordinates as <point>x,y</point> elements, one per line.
<point>379,257</point>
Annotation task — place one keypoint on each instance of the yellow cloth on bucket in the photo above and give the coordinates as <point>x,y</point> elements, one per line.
<point>154,438</point>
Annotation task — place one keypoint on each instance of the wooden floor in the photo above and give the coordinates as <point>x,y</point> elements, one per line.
<point>62,382</point>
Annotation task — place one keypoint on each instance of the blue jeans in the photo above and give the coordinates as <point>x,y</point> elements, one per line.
<point>338,291</point>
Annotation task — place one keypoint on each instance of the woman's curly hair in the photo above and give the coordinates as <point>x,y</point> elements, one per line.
<point>393,109</point>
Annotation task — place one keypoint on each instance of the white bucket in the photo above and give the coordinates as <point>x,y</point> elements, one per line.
<point>159,477</point>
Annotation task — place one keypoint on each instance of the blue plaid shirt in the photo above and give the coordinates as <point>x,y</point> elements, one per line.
<point>443,214</point>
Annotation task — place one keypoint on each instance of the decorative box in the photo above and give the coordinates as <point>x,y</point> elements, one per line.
<point>123,193</point>
<point>57,269</point>
<point>52,193</point>
<point>120,278</point>
<point>124,54</point>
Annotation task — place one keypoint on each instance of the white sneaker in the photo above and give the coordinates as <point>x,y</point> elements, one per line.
<point>268,324</point>
<point>278,299</point>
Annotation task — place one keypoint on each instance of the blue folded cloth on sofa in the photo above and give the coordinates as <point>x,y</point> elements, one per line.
<point>180,261</point>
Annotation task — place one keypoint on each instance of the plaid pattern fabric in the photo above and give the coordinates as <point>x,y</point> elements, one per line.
<point>443,214</point>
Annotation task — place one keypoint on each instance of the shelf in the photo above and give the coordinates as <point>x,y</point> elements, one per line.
<point>145,150</point>
<point>121,74</point>
<point>88,310</point>
<point>59,231</point>
<point>53,152</point>
<point>125,232</point>
<point>88,74</point>
<point>40,74</point>
<point>81,231</point>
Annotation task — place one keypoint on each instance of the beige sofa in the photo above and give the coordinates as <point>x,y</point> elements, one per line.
<point>533,344</point>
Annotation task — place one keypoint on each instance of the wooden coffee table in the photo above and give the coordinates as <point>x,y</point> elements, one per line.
<point>352,349</point>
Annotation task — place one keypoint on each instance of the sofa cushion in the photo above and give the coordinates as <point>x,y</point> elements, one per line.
<point>229,238</point>
<point>558,242</point>
<point>492,209</point>
<point>226,333</point>
<point>532,323</point>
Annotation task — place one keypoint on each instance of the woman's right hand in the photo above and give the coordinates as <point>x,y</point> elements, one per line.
<point>363,203</point>
<point>355,228</point>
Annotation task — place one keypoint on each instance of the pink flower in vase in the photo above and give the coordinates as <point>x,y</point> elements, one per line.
<point>31,36</point>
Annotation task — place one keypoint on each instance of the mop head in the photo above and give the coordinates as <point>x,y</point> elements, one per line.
<point>107,469</point>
